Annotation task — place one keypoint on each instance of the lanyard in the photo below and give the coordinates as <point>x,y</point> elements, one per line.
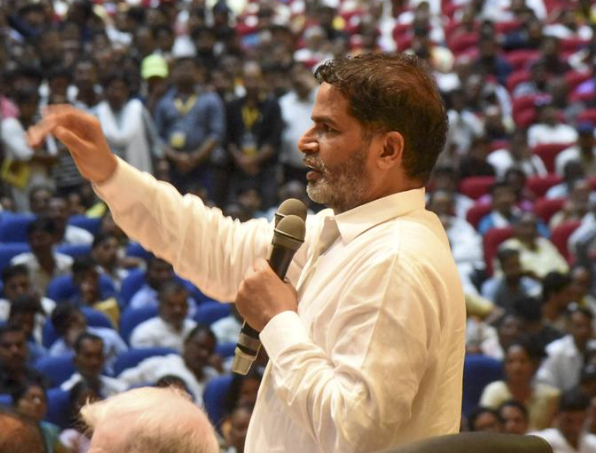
<point>250,116</point>
<point>185,107</point>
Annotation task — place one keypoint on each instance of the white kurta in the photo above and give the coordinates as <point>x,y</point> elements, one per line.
<point>374,356</point>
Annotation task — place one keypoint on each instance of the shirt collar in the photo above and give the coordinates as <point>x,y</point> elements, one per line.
<point>354,222</point>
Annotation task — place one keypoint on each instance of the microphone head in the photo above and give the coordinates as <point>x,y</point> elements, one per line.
<point>291,206</point>
<point>290,232</point>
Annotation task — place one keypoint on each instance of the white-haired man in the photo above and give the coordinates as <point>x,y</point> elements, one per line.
<point>148,419</point>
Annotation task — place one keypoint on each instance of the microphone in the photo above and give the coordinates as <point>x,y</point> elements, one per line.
<point>288,236</point>
<point>291,206</point>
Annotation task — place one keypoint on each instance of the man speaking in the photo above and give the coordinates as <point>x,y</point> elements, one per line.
<point>366,335</point>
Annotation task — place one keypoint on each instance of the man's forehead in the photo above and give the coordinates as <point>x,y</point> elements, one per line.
<point>330,102</point>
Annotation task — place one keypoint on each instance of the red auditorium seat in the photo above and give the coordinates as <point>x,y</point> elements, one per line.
<point>560,236</point>
<point>491,241</point>
<point>463,42</point>
<point>521,59</point>
<point>539,185</point>
<point>573,44</point>
<point>502,28</point>
<point>545,208</point>
<point>516,78</point>
<point>476,186</point>
<point>548,153</point>
<point>523,103</point>
<point>588,115</point>
<point>499,144</point>
<point>574,78</point>
<point>476,213</point>
<point>525,118</point>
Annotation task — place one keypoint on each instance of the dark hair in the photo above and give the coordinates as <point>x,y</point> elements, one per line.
<point>22,389</point>
<point>26,95</point>
<point>60,72</point>
<point>528,309</point>
<point>85,336</point>
<point>60,316</point>
<point>574,400</point>
<point>233,393</point>
<point>554,282</point>
<point>581,310</point>
<point>393,93</point>
<point>38,188</point>
<point>500,185</point>
<point>102,237</point>
<point>115,76</point>
<point>25,438</point>
<point>505,254</point>
<point>476,413</point>
<point>10,328</point>
<point>173,287</point>
<point>25,304</point>
<point>198,329</point>
<point>43,224</point>
<point>533,348</point>
<point>12,271</point>
<point>83,264</point>
<point>171,380</point>
<point>511,403</point>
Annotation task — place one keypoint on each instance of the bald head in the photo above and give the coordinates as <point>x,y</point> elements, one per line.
<point>157,420</point>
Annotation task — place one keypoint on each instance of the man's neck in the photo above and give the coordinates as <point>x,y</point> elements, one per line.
<point>46,261</point>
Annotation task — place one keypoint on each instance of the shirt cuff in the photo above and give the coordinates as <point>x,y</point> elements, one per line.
<point>112,187</point>
<point>283,331</point>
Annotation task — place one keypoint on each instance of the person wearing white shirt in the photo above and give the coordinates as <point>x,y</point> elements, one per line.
<point>227,329</point>
<point>550,130</point>
<point>379,292</point>
<point>583,151</point>
<point>16,283</point>
<point>566,356</point>
<point>518,155</point>
<point>193,366</point>
<point>89,360</point>
<point>295,109</point>
<point>66,234</point>
<point>69,322</point>
<point>43,263</point>
<point>171,327</point>
<point>568,435</point>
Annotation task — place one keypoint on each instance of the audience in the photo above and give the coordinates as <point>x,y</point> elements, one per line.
<point>515,417</point>
<point>171,326</point>
<point>522,360</point>
<point>195,365</point>
<point>14,370</point>
<point>89,360</point>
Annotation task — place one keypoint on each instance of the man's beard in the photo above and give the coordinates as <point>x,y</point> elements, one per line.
<point>343,187</point>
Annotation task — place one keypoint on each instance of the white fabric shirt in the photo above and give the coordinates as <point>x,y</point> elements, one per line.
<point>587,442</point>
<point>151,370</point>
<point>227,329</point>
<point>568,155</point>
<point>296,116</point>
<point>47,305</point>
<point>76,235</point>
<point>39,278</point>
<point>562,368</point>
<point>156,333</point>
<point>543,133</point>
<point>502,160</point>
<point>109,386</point>
<point>374,356</point>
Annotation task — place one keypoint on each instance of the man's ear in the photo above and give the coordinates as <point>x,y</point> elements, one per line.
<point>392,150</point>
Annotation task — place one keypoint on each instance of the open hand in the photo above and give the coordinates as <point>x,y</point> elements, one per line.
<point>82,135</point>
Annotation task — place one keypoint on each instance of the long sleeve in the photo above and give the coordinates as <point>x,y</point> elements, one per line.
<point>13,137</point>
<point>384,338</point>
<point>212,251</point>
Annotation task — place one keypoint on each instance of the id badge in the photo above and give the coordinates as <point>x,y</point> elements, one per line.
<point>178,140</point>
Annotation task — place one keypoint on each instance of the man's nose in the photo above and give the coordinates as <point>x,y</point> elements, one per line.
<point>308,142</point>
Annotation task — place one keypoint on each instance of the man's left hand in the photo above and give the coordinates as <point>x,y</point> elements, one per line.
<point>262,295</point>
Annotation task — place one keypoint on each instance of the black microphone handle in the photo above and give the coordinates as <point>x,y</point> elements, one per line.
<point>279,260</point>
